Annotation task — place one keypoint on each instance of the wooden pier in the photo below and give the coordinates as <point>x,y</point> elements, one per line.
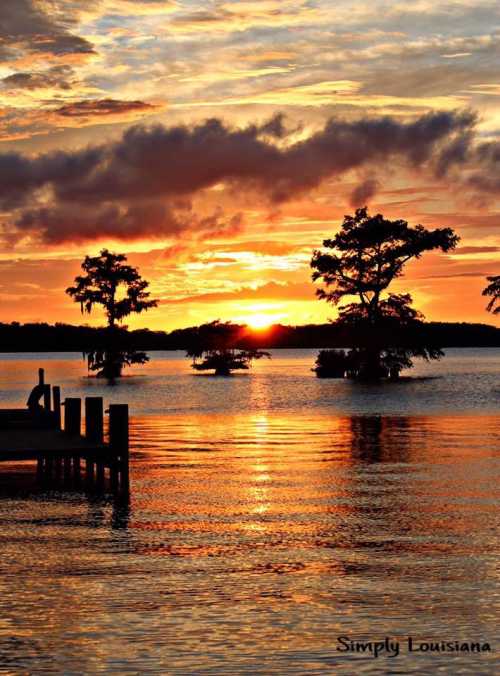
<point>40,433</point>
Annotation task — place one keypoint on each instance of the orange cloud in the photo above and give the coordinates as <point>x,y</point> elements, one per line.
<point>232,16</point>
<point>269,291</point>
<point>110,109</point>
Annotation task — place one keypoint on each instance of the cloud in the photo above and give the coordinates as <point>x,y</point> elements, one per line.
<point>25,27</point>
<point>488,158</point>
<point>153,220</point>
<point>267,56</point>
<point>267,291</point>
<point>95,109</point>
<point>363,193</point>
<point>18,123</point>
<point>241,15</point>
<point>141,6</point>
<point>58,77</point>
<point>456,275</point>
<point>182,160</point>
<point>466,250</point>
<point>263,247</point>
<point>157,166</point>
<point>338,92</point>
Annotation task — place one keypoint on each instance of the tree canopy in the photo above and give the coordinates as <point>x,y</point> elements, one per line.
<point>364,258</point>
<point>109,281</point>
<point>369,253</point>
<point>106,276</point>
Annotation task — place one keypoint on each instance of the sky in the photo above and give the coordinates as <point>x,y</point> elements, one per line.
<point>218,144</point>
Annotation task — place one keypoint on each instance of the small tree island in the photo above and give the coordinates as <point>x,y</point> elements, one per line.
<point>384,332</point>
<point>118,287</point>
<point>214,347</point>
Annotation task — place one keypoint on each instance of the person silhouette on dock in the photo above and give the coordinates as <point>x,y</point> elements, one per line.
<point>36,394</point>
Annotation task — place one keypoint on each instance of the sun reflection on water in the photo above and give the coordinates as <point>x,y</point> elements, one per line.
<point>252,540</point>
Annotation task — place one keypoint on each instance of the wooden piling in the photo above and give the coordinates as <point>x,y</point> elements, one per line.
<point>119,444</point>
<point>67,470</point>
<point>94,419</point>
<point>77,476</point>
<point>46,398</point>
<point>58,468</point>
<point>40,468</point>
<point>114,474</point>
<point>49,466</point>
<point>41,376</point>
<point>89,472</point>
<point>72,416</point>
<point>100,474</point>
<point>56,404</point>
<point>94,430</point>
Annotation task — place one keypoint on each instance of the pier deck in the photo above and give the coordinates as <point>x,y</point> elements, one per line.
<point>31,444</point>
<point>36,433</point>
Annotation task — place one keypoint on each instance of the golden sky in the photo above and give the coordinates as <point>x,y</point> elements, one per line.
<point>218,143</point>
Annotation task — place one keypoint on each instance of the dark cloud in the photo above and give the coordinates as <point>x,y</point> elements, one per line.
<point>152,220</point>
<point>24,25</point>
<point>275,127</point>
<point>102,108</point>
<point>59,77</point>
<point>181,160</point>
<point>363,193</point>
<point>21,175</point>
<point>158,165</point>
<point>61,44</point>
<point>487,179</point>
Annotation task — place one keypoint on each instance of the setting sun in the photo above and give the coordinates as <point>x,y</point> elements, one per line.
<point>259,322</point>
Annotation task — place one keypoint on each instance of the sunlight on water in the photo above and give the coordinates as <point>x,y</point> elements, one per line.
<point>250,541</point>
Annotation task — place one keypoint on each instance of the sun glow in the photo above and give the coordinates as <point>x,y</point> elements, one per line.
<point>259,322</point>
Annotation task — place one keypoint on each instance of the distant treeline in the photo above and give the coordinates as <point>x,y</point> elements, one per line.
<point>16,337</point>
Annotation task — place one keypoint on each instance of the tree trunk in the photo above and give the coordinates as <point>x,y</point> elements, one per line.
<point>223,371</point>
<point>371,368</point>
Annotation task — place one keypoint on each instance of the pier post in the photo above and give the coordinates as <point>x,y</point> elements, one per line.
<point>67,470</point>
<point>94,430</point>
<point>41,376</point>
<point>40,466</point>
<point>99,478</point>
<point>119,444</point>
<point>56,403</point>
<point>46,398</point>
<point>77,476</point>
<point>49,466</point>
<point>94,419</point>
<point>72,416</point>
<point>58,468</point>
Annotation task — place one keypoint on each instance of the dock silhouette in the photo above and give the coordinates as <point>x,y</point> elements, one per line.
<point>41,433</point>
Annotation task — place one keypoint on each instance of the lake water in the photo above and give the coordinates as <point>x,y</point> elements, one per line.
<point>269,514</point>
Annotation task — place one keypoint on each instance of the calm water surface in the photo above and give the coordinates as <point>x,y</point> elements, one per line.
<point>269,513</point>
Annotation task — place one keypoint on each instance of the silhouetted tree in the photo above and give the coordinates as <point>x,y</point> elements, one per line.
<point>119,288</point>
<point>213,347</point>
<point>370,252</point>
<point>493,290</point>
